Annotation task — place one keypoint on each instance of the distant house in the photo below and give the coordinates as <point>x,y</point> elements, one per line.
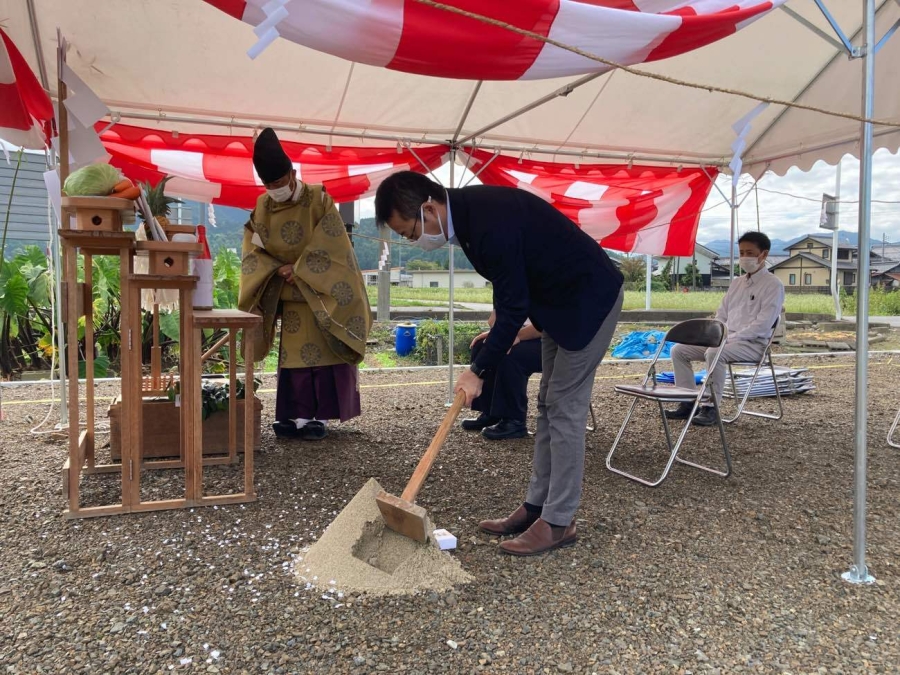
<point>808,269</point>
<point>441,279</point>
<point>807,272</point>
<point>888,279</point>
<point>398,277</point>
<point>704,258</point>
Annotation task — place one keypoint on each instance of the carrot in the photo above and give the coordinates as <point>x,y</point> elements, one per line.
<point>122,185</point>
<point>131,192</point>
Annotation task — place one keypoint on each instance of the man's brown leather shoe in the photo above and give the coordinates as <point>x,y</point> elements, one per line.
<point>515,523</point>
<point>540,538</point>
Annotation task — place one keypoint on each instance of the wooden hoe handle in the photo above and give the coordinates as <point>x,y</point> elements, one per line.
<point>424,467</point>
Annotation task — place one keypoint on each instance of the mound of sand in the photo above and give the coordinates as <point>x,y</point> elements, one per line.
<point>358,553</point>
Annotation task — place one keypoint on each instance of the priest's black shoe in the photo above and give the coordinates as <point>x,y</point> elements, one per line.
<point>480,422</point>
<point>505,430</point>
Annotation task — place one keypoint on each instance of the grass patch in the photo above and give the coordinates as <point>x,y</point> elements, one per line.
<point>709,301</point>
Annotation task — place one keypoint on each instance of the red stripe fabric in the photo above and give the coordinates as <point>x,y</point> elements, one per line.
<point>224,164</point>
<point>438,43</point>
<point>699,30</point>
<point>24,104</point>
<point>644,209</point>
<point>417,38</point>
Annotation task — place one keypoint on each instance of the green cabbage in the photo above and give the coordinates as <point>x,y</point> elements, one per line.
<point>92,180</point>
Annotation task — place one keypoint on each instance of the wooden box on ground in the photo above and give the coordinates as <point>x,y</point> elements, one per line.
<point>161,429</point>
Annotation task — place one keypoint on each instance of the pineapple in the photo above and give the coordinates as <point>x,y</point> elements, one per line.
<point>160,204</point>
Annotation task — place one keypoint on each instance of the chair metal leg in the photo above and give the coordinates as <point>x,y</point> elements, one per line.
<point>890,436</point>
<point>721,425</point>
<point>741,407</point>
<point>593,425</point>
<point>673,449</point>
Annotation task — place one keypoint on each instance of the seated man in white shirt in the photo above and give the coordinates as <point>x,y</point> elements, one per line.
<point>751,306</point>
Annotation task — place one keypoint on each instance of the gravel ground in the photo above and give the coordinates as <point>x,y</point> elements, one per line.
<point>701,575</point>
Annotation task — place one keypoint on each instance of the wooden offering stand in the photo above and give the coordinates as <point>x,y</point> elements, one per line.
<point>98,231</point>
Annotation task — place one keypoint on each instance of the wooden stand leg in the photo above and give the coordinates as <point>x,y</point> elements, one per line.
<point>75,464</point>
<point>249,413</point>
<point>232,395</point>
<point>191,399</point>
<point>132,414</point>
<point>89,359</point>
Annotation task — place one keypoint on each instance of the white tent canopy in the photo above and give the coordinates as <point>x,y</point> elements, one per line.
<point>183,64</point>
<point>186,60</point>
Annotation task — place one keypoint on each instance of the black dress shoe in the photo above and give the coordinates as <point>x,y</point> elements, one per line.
<point>313,430</point>
<point>505,429</point>
<point>682,412</point>
<point>286,430</point>
<point>480,422</point>
<point>707,417</point>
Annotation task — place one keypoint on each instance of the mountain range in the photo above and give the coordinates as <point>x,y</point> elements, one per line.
<point>780,246</point>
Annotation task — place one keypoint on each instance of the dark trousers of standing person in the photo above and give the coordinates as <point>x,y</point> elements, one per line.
<point>505,392</point>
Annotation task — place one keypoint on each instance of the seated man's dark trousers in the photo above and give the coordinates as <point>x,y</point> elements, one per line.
<point>505,392</point>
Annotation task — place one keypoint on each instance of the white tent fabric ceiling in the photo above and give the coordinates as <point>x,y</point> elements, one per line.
<point>184,59</point>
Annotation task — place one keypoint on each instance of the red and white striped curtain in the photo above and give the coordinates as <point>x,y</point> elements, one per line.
<point>413,37</point>
<point>644,209</point>
<point>219,169</point>
<point>26,114</point>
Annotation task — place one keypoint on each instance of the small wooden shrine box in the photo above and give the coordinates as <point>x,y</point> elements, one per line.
<point>98,214</point>
<point>169,258</point>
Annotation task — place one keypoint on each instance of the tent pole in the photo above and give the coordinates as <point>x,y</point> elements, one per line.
<point>563,91</point>
<point>649,265</point>
<point>840,53</point>
<point>835,288</point>
<point>859,572</point>
<point>462,119</point>
<point>734,206</point>
<point>36,38</point>
<point>450,317</point>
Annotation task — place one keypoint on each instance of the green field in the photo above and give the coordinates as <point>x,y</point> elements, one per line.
<point>708,301</point>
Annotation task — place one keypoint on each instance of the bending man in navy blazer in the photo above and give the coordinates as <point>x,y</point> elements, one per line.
<point>543,268</point>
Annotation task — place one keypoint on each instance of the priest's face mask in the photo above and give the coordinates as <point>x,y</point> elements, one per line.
<point>282,189</point>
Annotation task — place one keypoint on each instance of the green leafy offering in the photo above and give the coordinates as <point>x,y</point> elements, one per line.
<point>92,181</point>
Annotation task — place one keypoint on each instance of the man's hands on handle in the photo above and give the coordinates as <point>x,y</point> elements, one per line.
<point>470,384</point>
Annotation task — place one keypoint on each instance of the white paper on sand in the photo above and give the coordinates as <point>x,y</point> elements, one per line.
<point>445,540</point>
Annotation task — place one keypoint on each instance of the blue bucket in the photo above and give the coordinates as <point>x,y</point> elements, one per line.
<point>405,339</point>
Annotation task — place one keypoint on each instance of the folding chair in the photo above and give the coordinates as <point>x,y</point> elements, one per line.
<point>696,332</point>
<point>764,361</point>
<point>890,438</point>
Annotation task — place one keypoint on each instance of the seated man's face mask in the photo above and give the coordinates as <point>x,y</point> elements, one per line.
<point>430,242</point>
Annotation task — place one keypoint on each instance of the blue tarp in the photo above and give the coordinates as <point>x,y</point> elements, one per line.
<point>668,377</point>
<point>641,345</point>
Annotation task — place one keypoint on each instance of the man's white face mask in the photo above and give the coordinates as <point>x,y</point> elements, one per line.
<point>750,264</point>
<point>282,194</point>
<point>430,242</point>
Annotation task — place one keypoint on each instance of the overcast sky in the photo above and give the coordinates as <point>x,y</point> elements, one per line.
<point>796,210</point>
